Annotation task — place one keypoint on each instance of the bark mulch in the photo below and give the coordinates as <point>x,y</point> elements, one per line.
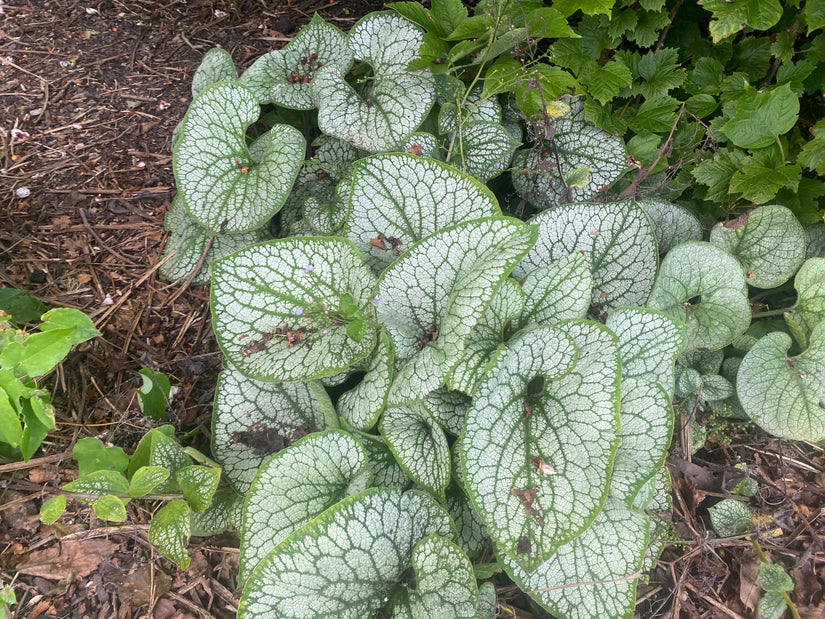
<point>89,96</point>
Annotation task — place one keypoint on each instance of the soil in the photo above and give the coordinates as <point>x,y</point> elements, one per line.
<point>97,89</point>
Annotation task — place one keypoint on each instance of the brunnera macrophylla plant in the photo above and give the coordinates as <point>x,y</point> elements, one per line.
<point>421,391</point>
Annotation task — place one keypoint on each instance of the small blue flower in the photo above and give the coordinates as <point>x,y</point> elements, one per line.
<point>376,300</point>
<point>325,332</point>
<point>308,269</point>
<point>299,311</point>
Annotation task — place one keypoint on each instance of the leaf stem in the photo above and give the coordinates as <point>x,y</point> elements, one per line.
<point>769,313</point>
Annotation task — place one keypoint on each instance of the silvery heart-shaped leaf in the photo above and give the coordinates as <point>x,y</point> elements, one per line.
<point>345,562</point>
<point>473,108</point>
<point>326,218</point>
<point>540,438</point>
<point>703,287</point>
<point>448,409</point>
<point>362,405</point>
<point>223,188</point>
<point>386,472</point>
<point>785,395</point>
<point>768,241</point>
<point>393,103</point>
<point>445,584</point>
<point>251,420</point>
<point>293,487</point>
<point>217,66</point>
<point>472,534</point>
<point>672,224</point>
<point>576,145</point>
<point>815,241</point>
<point>219,516</point>
<point>276,308</point>
<point>487,601</point>
<point>188,240</point>
<point>647,426</point>
<point>419,445</point>
<point>335,157</point>
<point>487,336</point>
<point>312,182</point>
<point>397,200</point>
<point>649,343</point>
<point>284,76</point>
<point>433,296</point>
<point>809,309</point>
<point>558,291</point>
<point>170,530</point>
<point>482,149</point>
<point>605,559</point>
<point>422,144</point>
<point>616,239</point>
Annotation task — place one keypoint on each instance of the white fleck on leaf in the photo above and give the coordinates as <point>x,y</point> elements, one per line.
<point>293,487</point>
<point>345,562</point>
<point>223,187</point>
<point>703,287</point>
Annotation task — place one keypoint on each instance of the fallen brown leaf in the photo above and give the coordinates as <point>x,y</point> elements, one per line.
<point>67,560</point>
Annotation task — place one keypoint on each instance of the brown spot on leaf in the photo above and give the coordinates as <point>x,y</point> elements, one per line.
<point>542,466</point>
<point>416,149</point>
<point>523,546</point>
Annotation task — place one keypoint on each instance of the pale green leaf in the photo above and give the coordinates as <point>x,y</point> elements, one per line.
<point>395,101</point>
<point>251,420</point>
<point>284,76</point>
<point>223,188</point>
<point>649,343</point>
<point>703,287</point>
<point>773,577</point>
<point>92,455</point>
<point>577,144</point>
<point>809,309</point>
<point>263,293</point>
<point>537,465</point>
<point>146,479</point>
<point>815,241</point>
<point>293,487</point>
<point>785,395</point>
<point>433,296</point>
<point>448,409</point>
<point>345,562</point>
<point>216,66</point>
<point>772,605</point>
<point>730,517</point>
<point>558,291</point>
<point>768,241</point>
<point>198,484</point>
<point>672,224</point>
<point>109,507</point>
<point>52,509</point>
<point>397,200</point>
<point>99,482</point>
<point>362,405</point>
<point>419,445</point>
<point>169,531</point>
<point>617,241</point>
<point>158,448</point>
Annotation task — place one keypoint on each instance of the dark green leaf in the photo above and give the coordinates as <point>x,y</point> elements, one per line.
<point>659,72</point>
<point>446,15</point>
<point>153,395</point>
<point>701,105</point>
<point>815,14</point>
<point>547,23</point>
<point>655,115</point>
<point>717,173</point>
<point>752,56</point>
<point>20,306</point>
<point>649,27</point>
<point>762,116</point>
<point>414,12</point>
<point>92,455</point>
<point>813,152</point>
<point>604,83</point>
<point>357,329</point>
<point>472,28</point>
<point>762,14</point>
<point>759,184</point>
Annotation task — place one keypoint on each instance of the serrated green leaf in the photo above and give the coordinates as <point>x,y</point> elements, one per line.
<point>284,76</point>
<point>223,188</point>
<point>759,117</point>
<point>169,531</point>
<point>672,224</point>
<point>730,517</point>
<point>812,155</point>
<point>717,173</point>
<point>407,198</point>
<point>728,18</point>
<point>146,479</point>
<point>109,507</point>
<point>617,241</point>
<point>92,455</point>
<point>52,509</point>
<point>588,7</point>
<point>768,241</point>
<point>655,115</point>
<point>809,309</point>
<point>760,184</point>
<point>262,294</point>
<point>362,405</point>
<point>649,342</point>
<point>217,66</point>
<point>251,420</point>
<point>815,15</point>
<point>198,484</point>
<point>785,395</point>
<point>596,574</point>
<point>430,318</point>
<point>345,562</point>
<point>99,482</point>
<point>447,15</point>
<point>577,144</point>
<point>394,103</point>
<point>293,487</point>
<point>537,467</point>
<point>703,287</point>
<point>605,83</point>
<point>419,445</point>
<point>658,71</point>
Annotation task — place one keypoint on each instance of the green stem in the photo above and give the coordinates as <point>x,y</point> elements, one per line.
<point>322,397</point>
<point>764,559</point>
<point>781,150</point>
<point>769,313</point>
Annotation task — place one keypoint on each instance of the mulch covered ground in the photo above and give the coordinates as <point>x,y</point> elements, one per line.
<point>89,96</point>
